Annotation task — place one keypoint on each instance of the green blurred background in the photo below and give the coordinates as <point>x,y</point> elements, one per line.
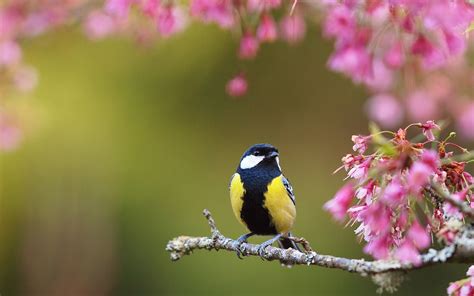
<point>127,145</point>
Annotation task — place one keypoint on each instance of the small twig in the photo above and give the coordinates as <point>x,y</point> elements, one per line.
<point>438,192</point>
<point>303,242</point>
<point>462,250</point>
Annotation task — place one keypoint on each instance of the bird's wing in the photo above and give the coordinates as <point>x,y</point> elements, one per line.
<point>231,178</point>
<point>289,189</point>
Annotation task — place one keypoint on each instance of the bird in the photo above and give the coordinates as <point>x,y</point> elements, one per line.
<point>262,198</point>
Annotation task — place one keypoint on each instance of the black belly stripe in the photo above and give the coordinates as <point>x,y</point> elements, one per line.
<point>256,217</point>
<point>253,213</point>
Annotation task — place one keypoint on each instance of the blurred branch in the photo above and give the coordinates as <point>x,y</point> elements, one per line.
<point>462,250</point>
<point>436,191</point>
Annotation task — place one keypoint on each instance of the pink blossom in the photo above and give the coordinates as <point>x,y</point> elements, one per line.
<point>353,61</point>
<point>419,236</point>
<point>10,136</point>
<point>120,8</point>
<point>385,110</point>
<point>151,7</point>
<point>430,158</point>
<point>359,171</point>
<point>395,56</point>
<point>418,176</point>
<point>394,193</point>
<point>453,287</point>
<point>421,106</point>
<point>10,53</point>
<point>431,56</point>
<point>99,25</point>
<point>341,202</point>
<point>340,23</point>
<point>380,78</point>
<point>248,46</point>
<point>259,5</point>
<point>465,121</point>
<point>379,247</point>
<point>267,30</point>
<point>376,217</point>
<point>218,11</point>
<point>470,271</point>
<point>428,129</point>
<point>408,253</point>
<point>237,86</point>
<point>360,143</point>
<point>466,290</point>
<point>456,43</point>
<point>293,28</point>
<point>170,20</point>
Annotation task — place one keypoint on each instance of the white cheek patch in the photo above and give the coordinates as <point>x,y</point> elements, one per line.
<point>250,161</point>
<point>278,162</point>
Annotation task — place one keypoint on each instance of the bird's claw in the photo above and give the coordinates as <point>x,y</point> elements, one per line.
<point>239,252</point>
<point>261,251</point>
<point>242,239</point>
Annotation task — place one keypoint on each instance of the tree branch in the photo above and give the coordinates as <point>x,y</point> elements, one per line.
<point>462,250</point>
<point>438,192</point>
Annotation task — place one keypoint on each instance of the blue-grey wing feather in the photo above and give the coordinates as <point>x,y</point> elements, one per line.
<point>289,189</point>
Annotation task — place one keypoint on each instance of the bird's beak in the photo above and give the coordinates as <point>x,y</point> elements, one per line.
<point>273,154</point>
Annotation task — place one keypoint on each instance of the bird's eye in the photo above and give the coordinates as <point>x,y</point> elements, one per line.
<point>256,153</point>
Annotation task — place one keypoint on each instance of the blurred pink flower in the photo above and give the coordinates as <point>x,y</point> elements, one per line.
<point>340,22</point>
<point>360,143</point>
<point>408,253</point>
<point>341,202</point>
<point>470,271</point>
<point>380,78</point>
<point>354,61</point>
<point>10,53</point>
<point>119,8</point>
<point>237,86</point>
<point>419,236</point>
<point>431,159</point>
<point>248,46</point>
<point>431,56</point>
<point>259,5</point>
<point>170,20</point>
<point>385,110</point>
<point>379,247</point>
<point>418,176</point>
<point>217,11</point>
<point>428,128</point>
<point>99,25</point>
<point>395,56</point>
<point>394,193</point>
<point>293,28</point>
<point>421,106</point>
<point>267,30</point>
<point>25,78</point>
<point>453,287</point>
<point>377,217</point>
<point>10,136</point>
<point>465,121</point>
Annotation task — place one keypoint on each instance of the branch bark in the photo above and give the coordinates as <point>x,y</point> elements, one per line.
<point>462,250</point>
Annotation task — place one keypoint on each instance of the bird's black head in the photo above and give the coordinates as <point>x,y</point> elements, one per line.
<point>259,156</point>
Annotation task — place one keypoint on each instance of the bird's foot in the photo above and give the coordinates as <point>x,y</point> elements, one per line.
<point>242,239</point>
<point>262,247</point>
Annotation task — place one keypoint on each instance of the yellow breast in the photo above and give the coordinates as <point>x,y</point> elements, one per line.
<point>279,205</point>
<point>237,192</point>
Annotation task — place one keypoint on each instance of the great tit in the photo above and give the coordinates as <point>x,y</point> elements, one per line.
<point>262,198</point>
